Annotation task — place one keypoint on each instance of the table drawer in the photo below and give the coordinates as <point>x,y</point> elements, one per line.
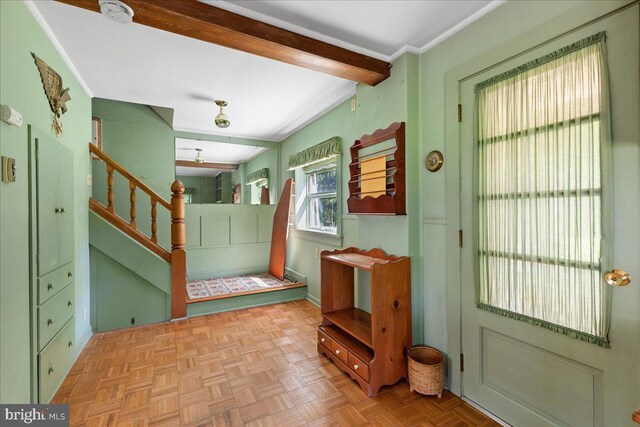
<point>339,351</point>
<point>324,339</point>
<point>54,361</point>
<point>54,314</point>
<point>52,283</point>
<point>358,366</point>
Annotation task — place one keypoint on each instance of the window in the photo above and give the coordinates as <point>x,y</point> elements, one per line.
<point>322,200</point>
<point>542,145</point>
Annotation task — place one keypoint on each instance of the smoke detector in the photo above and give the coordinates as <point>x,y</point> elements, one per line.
<point>116,11</point>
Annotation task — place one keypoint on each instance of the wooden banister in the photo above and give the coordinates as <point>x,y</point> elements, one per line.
<point>122,171</point>
<point>178,253</point>
<point>123,226</point>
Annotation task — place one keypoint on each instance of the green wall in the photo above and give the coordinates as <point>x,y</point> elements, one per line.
<point>21,87</point>
<point>203,186</point>
<point>394,100</point>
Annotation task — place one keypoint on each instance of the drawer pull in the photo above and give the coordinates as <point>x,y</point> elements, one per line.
<point>69,304</point>
<point>49,286</point>
<point>62,210</point>
<point>356,367</point>
<point>337,351</point>
<point>322,340</point>
<point>57,210</point>
<point>51,370</point>
<point>49,322</point>
<point>70,343</point>
<point>69,274</point>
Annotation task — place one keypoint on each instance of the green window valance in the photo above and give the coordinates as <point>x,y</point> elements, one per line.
<point>326,150</point>
<point>260,177</point>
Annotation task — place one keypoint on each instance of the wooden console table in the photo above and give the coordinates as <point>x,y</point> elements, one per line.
<point>370,347</point>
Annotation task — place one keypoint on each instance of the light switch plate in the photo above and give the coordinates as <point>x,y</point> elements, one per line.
<point>353,104</point>
<point>8,169</point>
<point>89,180</point>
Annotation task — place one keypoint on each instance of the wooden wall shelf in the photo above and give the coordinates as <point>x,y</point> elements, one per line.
<point>377,177</point>
<point>370,347</point>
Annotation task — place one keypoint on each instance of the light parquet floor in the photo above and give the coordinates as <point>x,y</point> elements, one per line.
<point>252,367</point>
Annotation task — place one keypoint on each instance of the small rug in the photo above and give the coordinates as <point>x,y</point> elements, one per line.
<point>233,285</point>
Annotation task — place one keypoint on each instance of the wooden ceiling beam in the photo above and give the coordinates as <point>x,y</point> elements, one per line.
<point>192,18</point>
<point>205,165</point>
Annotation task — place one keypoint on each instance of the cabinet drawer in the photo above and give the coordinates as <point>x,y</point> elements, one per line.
<point>324,339</point>
<point>358,366</point>
<point>54,361</point>
<point>339,351</point>
<point>53,314</point>
<point>54,282</point>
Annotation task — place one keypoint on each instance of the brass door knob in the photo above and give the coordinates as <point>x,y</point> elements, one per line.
<point>617,278</point>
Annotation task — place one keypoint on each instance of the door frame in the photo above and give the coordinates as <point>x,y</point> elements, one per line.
<point>542,35</point>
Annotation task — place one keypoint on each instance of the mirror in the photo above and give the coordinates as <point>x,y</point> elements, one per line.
<point>226,173</point>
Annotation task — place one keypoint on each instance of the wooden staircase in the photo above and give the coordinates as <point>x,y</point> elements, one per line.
<point>176,257</point>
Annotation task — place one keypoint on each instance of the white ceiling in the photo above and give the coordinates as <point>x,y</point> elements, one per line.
<point>267,99</point>
<point>380,28</point>
<point>212,152</point>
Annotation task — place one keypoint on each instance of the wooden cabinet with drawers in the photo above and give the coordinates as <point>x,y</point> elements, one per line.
<point>370,347</point>
<point>52,267</point>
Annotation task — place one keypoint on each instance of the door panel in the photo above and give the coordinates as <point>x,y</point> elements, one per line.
<point>527,375</point>
<point>65,195</point>
<point>48,204</point>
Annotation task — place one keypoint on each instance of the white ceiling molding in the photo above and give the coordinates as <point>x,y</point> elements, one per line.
<point>451,31</point>
<point>56,44</point>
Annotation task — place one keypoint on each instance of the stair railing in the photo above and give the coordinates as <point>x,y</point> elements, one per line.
<point>177,256</point>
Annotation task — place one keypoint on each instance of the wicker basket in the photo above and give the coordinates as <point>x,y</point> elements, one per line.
<point>426,371</point>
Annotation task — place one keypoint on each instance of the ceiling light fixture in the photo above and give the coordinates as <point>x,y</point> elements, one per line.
<point>199,158</point>
<point>116,11</point>
<point>222,121</point>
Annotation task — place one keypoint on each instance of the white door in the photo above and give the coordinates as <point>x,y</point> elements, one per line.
<point>528,375</point>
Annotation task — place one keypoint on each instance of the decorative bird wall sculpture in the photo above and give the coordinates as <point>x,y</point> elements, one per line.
<point>57,96</point>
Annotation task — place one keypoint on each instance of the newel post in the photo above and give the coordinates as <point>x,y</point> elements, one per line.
<point>178,253</point>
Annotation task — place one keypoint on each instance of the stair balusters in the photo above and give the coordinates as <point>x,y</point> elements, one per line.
<point>132,201</point>
<point>154,221</point>
<point>110,188</point>
<point>178,255</point>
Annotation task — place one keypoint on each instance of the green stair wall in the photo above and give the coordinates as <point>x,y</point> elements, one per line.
<point>127,280</point>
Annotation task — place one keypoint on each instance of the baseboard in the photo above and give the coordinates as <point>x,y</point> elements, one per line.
<point>82,343</point>
<point>313,300</point>
<point>248,301</point>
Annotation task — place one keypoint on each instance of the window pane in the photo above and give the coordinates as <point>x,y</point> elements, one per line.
<point>540,194</point>
<point>322,181</point>
<point>323,212</point>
